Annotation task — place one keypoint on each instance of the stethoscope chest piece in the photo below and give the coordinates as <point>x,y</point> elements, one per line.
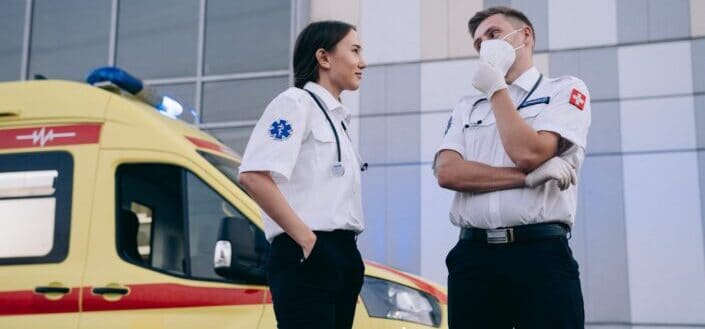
<point>337,169</point>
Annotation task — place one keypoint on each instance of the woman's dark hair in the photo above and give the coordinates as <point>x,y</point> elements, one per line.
<point>318,35</point>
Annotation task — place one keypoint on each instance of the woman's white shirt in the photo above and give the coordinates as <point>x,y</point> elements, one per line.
<point>296,144</point>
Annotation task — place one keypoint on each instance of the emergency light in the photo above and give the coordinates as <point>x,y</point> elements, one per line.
<point>125,81</point>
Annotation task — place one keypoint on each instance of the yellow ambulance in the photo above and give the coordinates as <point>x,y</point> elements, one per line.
<point>114,214</point>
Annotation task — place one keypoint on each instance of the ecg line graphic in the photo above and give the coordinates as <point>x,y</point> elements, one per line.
<point>42,136</point>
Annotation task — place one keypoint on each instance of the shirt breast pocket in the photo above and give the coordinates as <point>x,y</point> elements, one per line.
<point>481,139</point>
<point>324,142</point>
<point>323,134</point>
<point>530,113</point>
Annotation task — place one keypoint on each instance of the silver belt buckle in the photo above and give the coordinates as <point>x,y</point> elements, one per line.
<point>500,236</point>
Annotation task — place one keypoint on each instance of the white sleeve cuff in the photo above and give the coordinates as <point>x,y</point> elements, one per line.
<point>452,146</point>
<point>448,146</point>
<point>565,133</point>
<point>270,167</point>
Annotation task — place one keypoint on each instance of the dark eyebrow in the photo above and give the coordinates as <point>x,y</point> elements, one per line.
<point>476,43</point>
<point>488,33</point>
<point>357,46</point>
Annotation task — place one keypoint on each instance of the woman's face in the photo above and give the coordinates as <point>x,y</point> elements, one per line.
<point>346,63</point>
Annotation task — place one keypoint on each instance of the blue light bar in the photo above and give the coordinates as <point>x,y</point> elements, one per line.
<point>134,86</point>
<point>118,77</point>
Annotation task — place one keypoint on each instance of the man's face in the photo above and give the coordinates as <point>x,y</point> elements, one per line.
<point>496,27</point>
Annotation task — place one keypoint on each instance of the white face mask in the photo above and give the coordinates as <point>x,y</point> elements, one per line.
<point>499,53</point>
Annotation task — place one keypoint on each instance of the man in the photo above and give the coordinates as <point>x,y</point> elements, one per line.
<point>512,156</point>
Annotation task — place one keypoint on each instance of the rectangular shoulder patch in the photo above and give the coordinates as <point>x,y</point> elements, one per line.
<point>542,100</point>
<point>578,99</point>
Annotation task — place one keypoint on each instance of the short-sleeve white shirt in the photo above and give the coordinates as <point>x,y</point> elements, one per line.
<point>296,144</point>
<point>560,105</point>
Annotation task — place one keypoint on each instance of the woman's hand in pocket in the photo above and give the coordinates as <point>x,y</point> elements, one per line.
<point>308,246</point>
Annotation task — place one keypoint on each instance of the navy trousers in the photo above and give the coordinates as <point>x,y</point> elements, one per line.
<point>320,292</point>
<point>522,285</point>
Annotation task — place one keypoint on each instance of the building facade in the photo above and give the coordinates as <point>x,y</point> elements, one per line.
<point>639,231</point>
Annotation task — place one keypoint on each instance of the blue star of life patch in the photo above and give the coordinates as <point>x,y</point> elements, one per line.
<point>280,130</point>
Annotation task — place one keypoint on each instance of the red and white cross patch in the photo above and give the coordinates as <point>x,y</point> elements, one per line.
<point>578,99</point>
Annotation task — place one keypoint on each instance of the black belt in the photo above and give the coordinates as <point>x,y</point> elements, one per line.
<point>337,234</point>
<point>514,234</point>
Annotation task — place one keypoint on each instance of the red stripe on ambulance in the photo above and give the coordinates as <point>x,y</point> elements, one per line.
<point>139,297</point>
<point>204,144</point>
<point>29,302</point>
<point>155,296</point>
<point>46,136</point>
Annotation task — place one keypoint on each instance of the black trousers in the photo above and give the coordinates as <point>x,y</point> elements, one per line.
<point>532,284</point>
<point>320,292</point>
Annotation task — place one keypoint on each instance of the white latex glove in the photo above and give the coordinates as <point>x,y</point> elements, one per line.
<point>555,168</point>
<point>488,79</point>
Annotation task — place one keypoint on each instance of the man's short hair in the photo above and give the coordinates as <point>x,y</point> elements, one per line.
<point>506,11</point>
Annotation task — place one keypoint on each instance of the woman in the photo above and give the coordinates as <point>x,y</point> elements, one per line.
<point>301,168</point>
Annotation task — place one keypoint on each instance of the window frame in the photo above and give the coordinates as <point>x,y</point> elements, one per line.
<point>63,163</point>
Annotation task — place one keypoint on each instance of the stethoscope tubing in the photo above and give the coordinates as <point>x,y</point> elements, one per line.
<point>521,105</point>
<point>363,165</point>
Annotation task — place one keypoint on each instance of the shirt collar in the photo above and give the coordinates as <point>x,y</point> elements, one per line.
<point>527,79</point>
<point>329,101</point>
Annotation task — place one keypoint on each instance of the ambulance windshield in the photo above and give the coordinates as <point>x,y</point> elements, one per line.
<point>227,167</point>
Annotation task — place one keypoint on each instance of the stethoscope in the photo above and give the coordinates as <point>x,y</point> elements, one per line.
<point>337,169</point>
<point>524,103</point>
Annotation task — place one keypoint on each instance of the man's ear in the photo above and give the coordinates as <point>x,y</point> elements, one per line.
<point>529,33</point>
<point>322,58</point>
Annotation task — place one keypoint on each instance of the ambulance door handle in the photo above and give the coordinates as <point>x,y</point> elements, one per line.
<point>52,290</point>
<point>107,290</point>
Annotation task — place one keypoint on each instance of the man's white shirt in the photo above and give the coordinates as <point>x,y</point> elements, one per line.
<point>560,105</point>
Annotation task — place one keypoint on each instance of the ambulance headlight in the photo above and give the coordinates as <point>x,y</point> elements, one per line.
<point>386,299</point>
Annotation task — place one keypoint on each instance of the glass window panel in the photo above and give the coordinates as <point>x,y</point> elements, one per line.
<point>19,184</point>
<point>239,99</point>
<point>157,38</point>
<point>247,36</point>
<point>28,227</point>
<point>235,137</point>
<point>205,210</point>
<point>12,27</point>
<point>161,187</point>
<point>185,94</point>
<point>69,37</point>
<point>35,203</point>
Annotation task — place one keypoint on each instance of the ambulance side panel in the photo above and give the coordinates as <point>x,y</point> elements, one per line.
<point>166,280</point>
<point>45,222</point>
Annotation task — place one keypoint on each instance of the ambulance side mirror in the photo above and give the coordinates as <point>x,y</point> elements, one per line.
<point>241,251</point>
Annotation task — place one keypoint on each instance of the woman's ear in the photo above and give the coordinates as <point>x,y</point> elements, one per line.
<point>322,59</point>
